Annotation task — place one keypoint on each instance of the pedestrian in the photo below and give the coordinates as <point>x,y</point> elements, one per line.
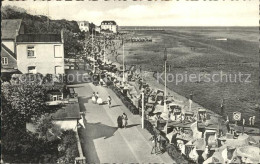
<point>109,101</point>
<point>155,147</point>
<point>97,95</point>
<point>253,120</point>
<point>119,121</point>
<point>250,120</point>
<point>94,100</point>
<point>124,117</point>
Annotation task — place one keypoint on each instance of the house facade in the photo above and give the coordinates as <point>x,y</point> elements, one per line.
<point>109,25</point>
<point>8,58</point>
<point>40,53</point>
<point>10,29</point>
<point>97,29</point>
<point>83,26</point>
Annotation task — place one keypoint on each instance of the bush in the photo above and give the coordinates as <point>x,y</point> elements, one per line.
<point>68,147</point>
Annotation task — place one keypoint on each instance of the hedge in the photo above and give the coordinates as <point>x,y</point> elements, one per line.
<point>126,100</point>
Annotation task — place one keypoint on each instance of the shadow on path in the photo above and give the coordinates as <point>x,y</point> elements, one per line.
<point>91,132</point>
<point>112,106</point>
<point>82,101</point>
<point>132,125</point>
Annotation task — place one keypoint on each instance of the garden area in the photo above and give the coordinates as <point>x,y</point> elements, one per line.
<point>25,103</point>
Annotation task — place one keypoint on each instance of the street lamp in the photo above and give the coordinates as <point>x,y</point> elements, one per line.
<point>92,40</point>
<point>142,110</point>
<point>104,49</point>
<point>123,61</point>
<point>165,88</point>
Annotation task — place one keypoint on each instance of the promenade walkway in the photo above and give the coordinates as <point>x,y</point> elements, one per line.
<point>103,142</point>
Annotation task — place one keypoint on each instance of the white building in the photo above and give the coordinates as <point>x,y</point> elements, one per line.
<point>109,25</point>
<point>40,53</point>
<point>97,29</point>
<point>83,26</point>
<point>10,29</point>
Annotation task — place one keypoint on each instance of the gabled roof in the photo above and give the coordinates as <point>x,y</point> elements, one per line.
<point>9,28</point>
<point>108,22</point>
<point>7,50</point>
<point>38,38</point>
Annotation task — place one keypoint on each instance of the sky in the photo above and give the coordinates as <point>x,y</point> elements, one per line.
<point>149,13</point>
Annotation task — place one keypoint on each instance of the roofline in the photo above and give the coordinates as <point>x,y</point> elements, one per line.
<point>6,50</point>
<point>39,43</point>
<point>7,39</point>
<point>10,54</point>
<point>66,118</point>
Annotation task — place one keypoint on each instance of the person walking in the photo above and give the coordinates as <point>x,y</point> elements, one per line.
<point>155,147</point>
<point>124,117</point>
<point>97,96</point>
<point>109,101</point>
<point>94,100</point>
<point>119,121</point>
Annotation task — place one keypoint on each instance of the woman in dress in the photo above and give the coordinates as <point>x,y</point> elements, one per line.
<point>94,100</point>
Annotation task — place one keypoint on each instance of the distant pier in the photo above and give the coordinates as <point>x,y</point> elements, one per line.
<point>142,29</point>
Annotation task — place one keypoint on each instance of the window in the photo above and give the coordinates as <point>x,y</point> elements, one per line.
<point>54,97</point>
<point>60,97</point>
<point>59,70</point>
<point>57,97</point>
<point>4,60</point>
<point>30,51</point>
<point>57,51</point>
<point>32,69</point>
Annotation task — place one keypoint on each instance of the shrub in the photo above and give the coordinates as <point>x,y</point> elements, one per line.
<point>68,147</point>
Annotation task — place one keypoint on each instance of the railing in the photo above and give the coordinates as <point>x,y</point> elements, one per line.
<point>81,159</point>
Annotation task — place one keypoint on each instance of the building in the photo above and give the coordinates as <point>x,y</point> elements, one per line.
<point>8,59</point>
<point>30,53</point>
<point>109,25</point>
<point>97,29</point>
<point>11,28</point>
<point>68,116</point>
<point>40,53</point>
<point>83,26</point>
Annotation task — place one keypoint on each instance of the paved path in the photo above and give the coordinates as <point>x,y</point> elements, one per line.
<point>103,142</point>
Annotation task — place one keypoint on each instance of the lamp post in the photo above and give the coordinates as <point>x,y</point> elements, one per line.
<point>142,110</point>
<point>104,49</point>
<point>92,41</point>
<point>123,61</point>
<point>165,79</point>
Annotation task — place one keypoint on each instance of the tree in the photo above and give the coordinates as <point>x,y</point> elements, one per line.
<point>18,145</point>
<point>27,100</point>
